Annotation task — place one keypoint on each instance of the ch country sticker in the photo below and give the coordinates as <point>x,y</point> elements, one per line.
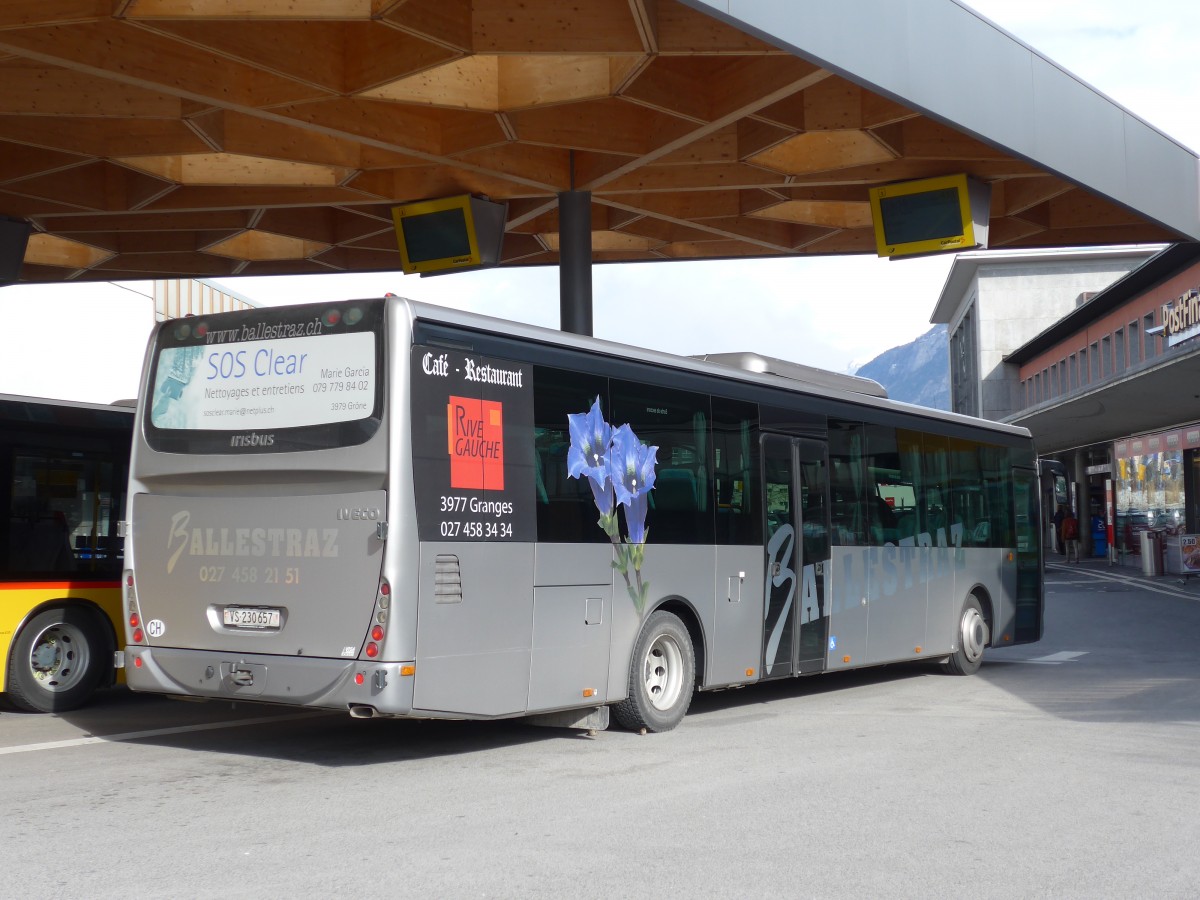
<point>475,442</point>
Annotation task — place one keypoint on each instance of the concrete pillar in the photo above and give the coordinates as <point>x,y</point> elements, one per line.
<point>575,261</point>
<point>1079,478</point>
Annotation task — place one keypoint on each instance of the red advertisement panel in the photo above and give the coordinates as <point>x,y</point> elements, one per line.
<point>475,434</point>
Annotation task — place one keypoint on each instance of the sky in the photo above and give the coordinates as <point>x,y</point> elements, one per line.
<point>86,342</point>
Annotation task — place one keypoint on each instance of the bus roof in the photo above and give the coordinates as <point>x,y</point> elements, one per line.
<point>120,406</point>
<point>855,390</point>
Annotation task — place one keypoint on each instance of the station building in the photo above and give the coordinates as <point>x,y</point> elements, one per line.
<point>1096,352</point>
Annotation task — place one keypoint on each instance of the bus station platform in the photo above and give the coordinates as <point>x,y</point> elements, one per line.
<point>1130,572</point>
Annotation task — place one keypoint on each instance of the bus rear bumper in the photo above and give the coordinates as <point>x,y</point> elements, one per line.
<point>307,682</point>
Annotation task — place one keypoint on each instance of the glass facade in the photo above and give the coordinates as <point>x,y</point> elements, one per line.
<point>1148,482</point>
<point>964,365</point>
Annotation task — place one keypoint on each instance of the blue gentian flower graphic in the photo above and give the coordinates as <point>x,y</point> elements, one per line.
<point>587,455</point>
<point>631,468</point>
<point>616,462</point>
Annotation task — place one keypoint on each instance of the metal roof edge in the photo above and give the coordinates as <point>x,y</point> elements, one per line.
<point>1030,106</point>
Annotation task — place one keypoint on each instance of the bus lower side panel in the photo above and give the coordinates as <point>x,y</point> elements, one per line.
<point>507,649</point>
<point>552,626</point>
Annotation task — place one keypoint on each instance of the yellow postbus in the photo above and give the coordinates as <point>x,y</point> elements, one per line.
<point>63,472</point>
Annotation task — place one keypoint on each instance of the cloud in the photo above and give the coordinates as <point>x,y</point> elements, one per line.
<point>826,312</point>
<point>77,342</point>
<point>1138,55</point>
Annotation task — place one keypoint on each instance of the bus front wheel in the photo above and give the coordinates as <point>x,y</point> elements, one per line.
<point>57,661</point>
<point>971,639</point>
<point>662,675</point>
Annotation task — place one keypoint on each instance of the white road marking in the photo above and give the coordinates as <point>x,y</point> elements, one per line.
<point>154,732</point>
<point>1127,580</point>
<point>1055,659</point>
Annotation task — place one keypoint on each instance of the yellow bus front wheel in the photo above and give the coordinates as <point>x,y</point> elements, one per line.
<point>58,660</point>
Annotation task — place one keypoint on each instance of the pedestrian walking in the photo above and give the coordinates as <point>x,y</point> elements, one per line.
<point>1070,535</point>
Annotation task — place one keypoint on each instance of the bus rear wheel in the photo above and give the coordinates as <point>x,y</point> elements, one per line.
<point>972,638</point>
<point>57,661</point>
<point>662,675</point>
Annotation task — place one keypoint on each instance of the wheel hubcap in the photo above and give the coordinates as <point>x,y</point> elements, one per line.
<point>974,634</point>
<point>664,672</point>
<point>58,657</point>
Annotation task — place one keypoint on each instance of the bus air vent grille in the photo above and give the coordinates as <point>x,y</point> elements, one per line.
<point>447,579</point>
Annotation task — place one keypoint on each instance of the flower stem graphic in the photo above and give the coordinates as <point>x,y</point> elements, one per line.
<point>616,463</point>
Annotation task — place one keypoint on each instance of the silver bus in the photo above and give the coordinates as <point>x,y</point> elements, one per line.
<point>401,510</point>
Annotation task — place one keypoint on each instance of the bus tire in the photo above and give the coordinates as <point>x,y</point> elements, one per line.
<point>971,638</point>
<point>57,660</point>
<point>662,676</point>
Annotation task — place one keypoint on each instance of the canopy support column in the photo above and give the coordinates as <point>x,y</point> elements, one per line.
<point>575,261</point>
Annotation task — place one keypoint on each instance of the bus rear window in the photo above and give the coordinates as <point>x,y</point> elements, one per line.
<point>266,380</point>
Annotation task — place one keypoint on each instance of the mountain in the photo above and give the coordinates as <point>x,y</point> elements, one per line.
<point>917,372</point>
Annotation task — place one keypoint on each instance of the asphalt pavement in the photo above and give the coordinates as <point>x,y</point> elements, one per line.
<point>1063,769</point>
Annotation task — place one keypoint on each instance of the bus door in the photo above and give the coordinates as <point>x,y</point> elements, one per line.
<point>796,618</point>
<point>1028,594</point>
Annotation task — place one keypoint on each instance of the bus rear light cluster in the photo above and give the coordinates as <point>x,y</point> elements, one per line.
<point>382,601</point>
<point>185,330</point>
<point>136,635</point>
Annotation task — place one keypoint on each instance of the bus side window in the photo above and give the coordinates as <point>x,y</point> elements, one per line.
<point>935,503</point>
<point>39,538</point>
<point>675,489</point>
<point>736,471</point>
<point>566,509</point>
<point>847,483</point>
<point>888,489</point>
<point>909,458</point>
<point>884,527</point>
<point>997,473</point>
<point>680,508</point>
<point>979,472</point>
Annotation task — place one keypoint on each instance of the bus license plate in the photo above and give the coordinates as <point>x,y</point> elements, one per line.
<point>238,617</point>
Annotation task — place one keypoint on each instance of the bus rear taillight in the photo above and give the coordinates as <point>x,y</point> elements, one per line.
<point>383,598</point>
<point>132,615</point>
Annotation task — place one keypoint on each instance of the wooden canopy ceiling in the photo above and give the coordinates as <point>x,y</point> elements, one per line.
<point>150,138</point>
